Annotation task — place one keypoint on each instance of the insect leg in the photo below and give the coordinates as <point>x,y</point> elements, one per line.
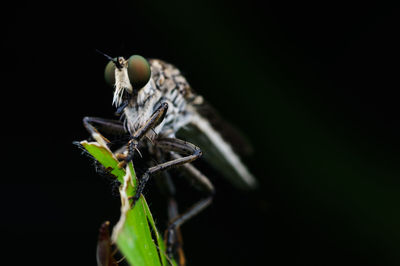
<point>193,175</point>
<point>177,244</point>
<point>154,121</point>
<point>167,188</point>
<point>171,231</point>
<point>191,151</point>
<point>113,127</point>
<point>202,183</point>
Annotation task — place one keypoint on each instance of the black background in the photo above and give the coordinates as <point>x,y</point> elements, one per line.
<point>314,88</point>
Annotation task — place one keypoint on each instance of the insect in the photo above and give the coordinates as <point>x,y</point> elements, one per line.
<point>158,107</point>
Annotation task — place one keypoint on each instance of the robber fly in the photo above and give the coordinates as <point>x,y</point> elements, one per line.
<point>157,107</point>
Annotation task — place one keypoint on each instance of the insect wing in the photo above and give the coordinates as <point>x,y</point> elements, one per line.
<point>221,144</point>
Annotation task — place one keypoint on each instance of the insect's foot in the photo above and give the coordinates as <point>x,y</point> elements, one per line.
<point>135,197</point>
<point>170,239</point>
<point>133,147</point>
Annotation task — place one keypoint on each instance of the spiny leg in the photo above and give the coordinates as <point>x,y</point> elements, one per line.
<point>113,127</point>
<point>168,190</point>
<point>154,121</point>
<point>191,151</point>
<point>197,179</point>
<point>177,243</point>
<point>172,230</point>
<point>164,180</point>
<point>202,183</point>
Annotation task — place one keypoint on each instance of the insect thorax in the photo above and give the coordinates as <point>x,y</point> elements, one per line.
<point>165,85</point>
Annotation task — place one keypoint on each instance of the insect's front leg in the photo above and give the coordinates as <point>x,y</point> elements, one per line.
<point>154,121</point>
<point>112,127</point>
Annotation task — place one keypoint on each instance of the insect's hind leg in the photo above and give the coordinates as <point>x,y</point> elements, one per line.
<point>201,182</point>
<point>177,243</point>
<point>168,190</point>
<point>173,229</point>
<point>190,153</point>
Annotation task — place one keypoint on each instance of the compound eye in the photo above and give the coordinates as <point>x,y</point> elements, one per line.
<point>109,73</point>
<point>139,71</point>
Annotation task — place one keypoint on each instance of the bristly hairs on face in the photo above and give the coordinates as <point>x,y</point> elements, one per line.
<point>122,82</point>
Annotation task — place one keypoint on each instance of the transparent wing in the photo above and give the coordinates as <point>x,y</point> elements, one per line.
<point>221,144</point>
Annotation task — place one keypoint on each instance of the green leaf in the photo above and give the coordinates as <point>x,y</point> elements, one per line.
<point>133,232</point>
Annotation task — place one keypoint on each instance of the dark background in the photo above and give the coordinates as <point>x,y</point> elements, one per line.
<point>314,88</point>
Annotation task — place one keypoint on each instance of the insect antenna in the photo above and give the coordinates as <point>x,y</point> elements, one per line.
<point>114,60</point>
<point>106,55</point>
